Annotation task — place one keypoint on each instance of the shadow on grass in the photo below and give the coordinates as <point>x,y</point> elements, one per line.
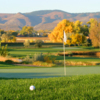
<point>6,64</point>
<point>62,58</point>
<point>9,49</point>
<point>89,48</point>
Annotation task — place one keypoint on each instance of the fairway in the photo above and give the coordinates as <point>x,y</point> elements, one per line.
<point>47,72</point>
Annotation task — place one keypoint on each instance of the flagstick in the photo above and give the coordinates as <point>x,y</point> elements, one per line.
<point>64,58</point>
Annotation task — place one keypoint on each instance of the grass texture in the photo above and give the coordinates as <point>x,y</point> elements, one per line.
<point>85,87</point>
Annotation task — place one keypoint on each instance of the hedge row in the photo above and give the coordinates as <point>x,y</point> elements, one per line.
<point>21,44</point>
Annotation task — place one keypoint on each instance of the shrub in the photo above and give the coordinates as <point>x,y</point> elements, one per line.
<point>38,57</point>
<point>4,51</point>
<point>44,64</point>
<point>70,53</point>
<point>26,43</point>
<point>9,62</point>
<point>27,59</point>
<point>24,62</point>
<point>49,59</point>
<point>38,43</point>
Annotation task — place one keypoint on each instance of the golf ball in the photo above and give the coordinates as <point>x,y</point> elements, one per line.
<point>32,87</point>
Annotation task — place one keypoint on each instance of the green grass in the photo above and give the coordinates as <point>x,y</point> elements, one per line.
<point>82,59</point>
<point>61,88</point>
<point>34,72</point>
<point>49,82</point>
<point>27,51</point>
<point>23,52</point>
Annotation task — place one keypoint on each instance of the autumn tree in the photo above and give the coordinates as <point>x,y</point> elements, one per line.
<point>57,34</point>
<point>94,32</point>
<point>68,42</point>
<point>77,26</point>
<point>77,38</point>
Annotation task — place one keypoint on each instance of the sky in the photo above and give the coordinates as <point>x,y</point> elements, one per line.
<point>71,6</point>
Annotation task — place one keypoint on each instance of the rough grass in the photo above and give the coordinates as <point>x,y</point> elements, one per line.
<point>63,88</point>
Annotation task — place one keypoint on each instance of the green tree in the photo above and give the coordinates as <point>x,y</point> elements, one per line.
<point>27,30</point>
<point>85,30</point>
<point>77,26</point>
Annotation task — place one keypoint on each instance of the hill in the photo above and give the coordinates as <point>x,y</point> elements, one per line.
<point>43,19</point>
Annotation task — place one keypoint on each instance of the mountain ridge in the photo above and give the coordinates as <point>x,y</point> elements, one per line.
<point>42,19</point>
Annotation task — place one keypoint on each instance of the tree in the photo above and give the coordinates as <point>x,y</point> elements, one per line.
<point>57,34</point>
<point>2,31</point>
<point>77,26</point>
<point>14,33</point>
<point>27,30</point>
<point>23,31</point>
<point>5,37</point>
<point>77,38</point>
<point>85,30</point>
<point>68,42</point>
<point>73,39</point>
<point>94,32</point>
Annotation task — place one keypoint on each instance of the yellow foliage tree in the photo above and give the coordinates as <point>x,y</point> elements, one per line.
<point>73,39</point>
<point>77,26</point>
<point>57,34</point>
<point>76,39</point>
<point>68,42</point>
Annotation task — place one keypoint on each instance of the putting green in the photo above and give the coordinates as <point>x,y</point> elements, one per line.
<point>47,72</point>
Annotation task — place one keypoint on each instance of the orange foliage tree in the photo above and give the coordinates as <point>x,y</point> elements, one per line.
<point>94,32</point>
<point>57,34</point>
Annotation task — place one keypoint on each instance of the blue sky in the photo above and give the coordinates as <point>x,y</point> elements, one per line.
<point>71,6</point>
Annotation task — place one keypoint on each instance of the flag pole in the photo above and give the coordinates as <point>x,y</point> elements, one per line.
<point>64,54</point>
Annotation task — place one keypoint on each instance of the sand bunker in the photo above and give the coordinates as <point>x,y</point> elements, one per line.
<point>3,59</point>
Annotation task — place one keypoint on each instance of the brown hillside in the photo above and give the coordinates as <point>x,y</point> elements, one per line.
<point>44,19</point>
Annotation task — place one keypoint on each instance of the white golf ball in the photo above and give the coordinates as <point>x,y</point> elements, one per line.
<point>32,87</point>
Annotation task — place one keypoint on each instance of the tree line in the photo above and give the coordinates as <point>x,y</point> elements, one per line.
<point>77,33</point>
<point>27,31</point>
